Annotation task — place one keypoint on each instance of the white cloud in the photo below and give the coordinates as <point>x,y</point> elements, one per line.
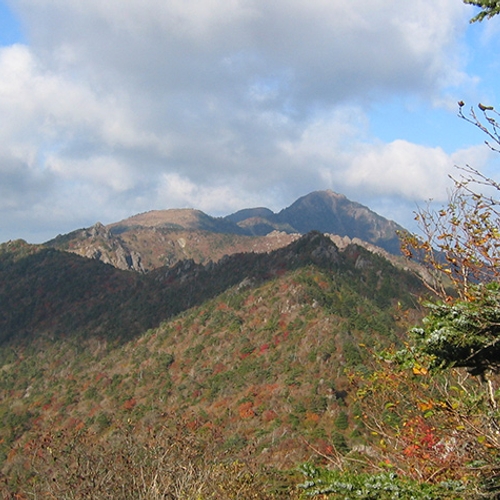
<point>216,103</point>
<point>401,168</point>
<point>338,151</point>
<point>219,199</point>
<point>317,50</point>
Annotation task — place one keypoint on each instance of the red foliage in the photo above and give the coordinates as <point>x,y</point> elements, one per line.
<point>280,338</point>
<point>322,284</point>
<point>192,425</point>
<point>250,300</point>
<point>80,426</point>
<point>100,376</point>
<point>245,410</point>
<point>244,355</point>
<point>30,445</point>
<point>269,415</point>
<point>325,447</point>
<point>218,368</point>
<point>74,423</point>
<point>93,411</point>
<point>422,441</point>
<point>129,404</point>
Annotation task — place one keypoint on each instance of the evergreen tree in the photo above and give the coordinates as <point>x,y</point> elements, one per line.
<point>489,8</point>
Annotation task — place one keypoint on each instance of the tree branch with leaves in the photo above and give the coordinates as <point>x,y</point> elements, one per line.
<point>460,242</point>
<point>489,8</point>
<point>460,248</point>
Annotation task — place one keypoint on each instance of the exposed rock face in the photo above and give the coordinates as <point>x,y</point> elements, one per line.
<point>97,242</point>
<point>143,249</point>
<point>98,230</point>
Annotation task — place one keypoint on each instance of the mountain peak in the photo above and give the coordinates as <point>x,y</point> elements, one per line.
<point>325,211</point>
<point>177,217</point>
<point>330,212</point>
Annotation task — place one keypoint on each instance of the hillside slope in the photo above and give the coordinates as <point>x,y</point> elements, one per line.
<point>248,365</point>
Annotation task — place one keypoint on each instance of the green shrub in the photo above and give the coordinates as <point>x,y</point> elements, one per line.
<point>165,360</point>
<point>235,443</point>
<point>338,440</point>
<point>385,486</point>
<point>342,421</point>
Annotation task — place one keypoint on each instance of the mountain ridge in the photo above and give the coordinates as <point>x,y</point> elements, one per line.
<point>163,237</point>
<point>44,289</point>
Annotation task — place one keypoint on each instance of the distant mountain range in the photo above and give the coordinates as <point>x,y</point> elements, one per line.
<point>164,237</point>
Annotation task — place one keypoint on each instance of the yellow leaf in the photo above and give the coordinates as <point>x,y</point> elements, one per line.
<point>425,406</point>
<point>419,370</point>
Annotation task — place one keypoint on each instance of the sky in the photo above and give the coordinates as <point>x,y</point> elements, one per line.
<point>113,108</point>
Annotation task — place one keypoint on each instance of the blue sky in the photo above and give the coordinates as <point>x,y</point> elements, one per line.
<point>10,27</point>
<point>111,108</point>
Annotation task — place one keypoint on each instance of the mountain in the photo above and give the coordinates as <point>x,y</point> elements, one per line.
<point>228,373</point>
<point>327,212</point>
<point>164,237</point>
<point>214,377</point>
<point>251,213</point>
<point>260,221</point>
<point>177,219</point>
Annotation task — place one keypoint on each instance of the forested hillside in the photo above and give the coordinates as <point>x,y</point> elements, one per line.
<point>244,364</point>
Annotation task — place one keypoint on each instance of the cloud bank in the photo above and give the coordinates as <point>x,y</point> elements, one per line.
<point>113,108</point>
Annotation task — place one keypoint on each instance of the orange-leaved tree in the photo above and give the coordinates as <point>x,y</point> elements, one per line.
<point>460,248</point>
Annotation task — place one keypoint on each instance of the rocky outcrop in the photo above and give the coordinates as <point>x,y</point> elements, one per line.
<point>97,242</point>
